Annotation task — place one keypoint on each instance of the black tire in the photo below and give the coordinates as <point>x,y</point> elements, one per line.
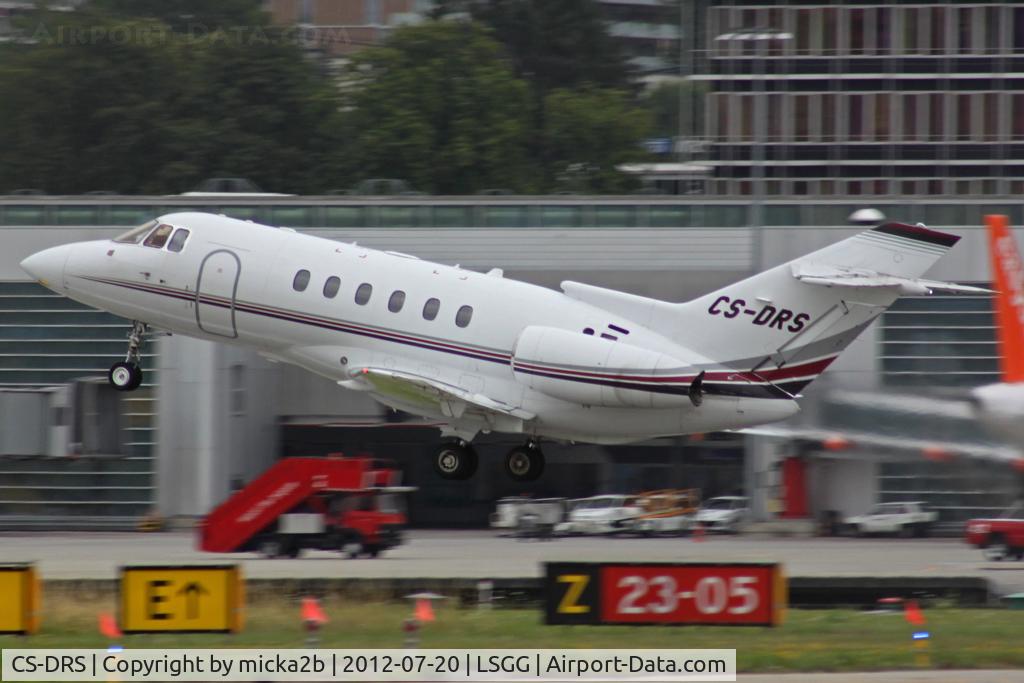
<point>995,549</point>
<point>454,461</point>
<point>525,463</point>
<point>125,376</point>
<point>907,530</point>
<point>372,551</point>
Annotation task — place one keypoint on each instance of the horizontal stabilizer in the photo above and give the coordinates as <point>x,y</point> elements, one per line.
<point>837,276</point>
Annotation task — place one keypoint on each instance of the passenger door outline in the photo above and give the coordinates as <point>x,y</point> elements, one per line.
<point>216,289</point>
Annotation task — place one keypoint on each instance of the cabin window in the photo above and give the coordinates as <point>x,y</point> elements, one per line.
<point>301,281</point>
<point>431,308</point>
<point>158,238</point>
<point>135,235</point>
<point>463,316</point>
<point>177,242</point>
<point>396,301</point>
<point>331,286</point>
<point>363,293</point>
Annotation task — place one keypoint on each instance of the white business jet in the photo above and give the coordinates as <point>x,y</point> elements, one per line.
<point>482,353</point>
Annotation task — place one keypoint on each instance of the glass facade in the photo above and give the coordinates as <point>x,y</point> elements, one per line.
<point>939,341</point>
<point>878,99</point>
<point>539,212</point>
<point>48,340</point>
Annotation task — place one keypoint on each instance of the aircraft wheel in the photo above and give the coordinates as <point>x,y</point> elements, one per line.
<point>524,463</point>
<point>455,461</point>
<point>125,376</point>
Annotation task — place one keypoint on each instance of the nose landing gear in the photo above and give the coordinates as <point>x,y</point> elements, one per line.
<point>126,375</point>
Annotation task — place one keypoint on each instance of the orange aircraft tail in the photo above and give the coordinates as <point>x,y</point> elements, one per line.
<point>1008,273</point>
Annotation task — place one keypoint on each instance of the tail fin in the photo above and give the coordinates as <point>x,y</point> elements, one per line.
<point>1008,275</point>
<point>787,324</point>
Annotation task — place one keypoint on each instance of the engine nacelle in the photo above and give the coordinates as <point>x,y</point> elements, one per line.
<point>585,369</point>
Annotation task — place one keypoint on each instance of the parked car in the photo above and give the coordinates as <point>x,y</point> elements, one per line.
<point>905,519</point>
<point>607,514</point>
<point>525,516</point>
<point>725,514</point>
<point>999,537</point>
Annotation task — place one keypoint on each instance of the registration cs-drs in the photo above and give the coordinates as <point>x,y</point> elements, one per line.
<point>51,664</point>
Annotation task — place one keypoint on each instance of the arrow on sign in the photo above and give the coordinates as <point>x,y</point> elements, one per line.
<point>192,592</point>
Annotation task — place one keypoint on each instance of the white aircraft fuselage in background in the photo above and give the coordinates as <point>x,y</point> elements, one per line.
<point>479,352</point>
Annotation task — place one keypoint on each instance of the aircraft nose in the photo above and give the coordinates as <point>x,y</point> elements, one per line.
<point>47,266</point>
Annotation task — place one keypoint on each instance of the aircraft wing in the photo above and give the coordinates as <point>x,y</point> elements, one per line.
<point>894,445</point>
<point>834,276</point>
<point>451,399</point>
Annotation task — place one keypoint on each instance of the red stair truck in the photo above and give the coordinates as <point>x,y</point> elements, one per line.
<point>352,505</point>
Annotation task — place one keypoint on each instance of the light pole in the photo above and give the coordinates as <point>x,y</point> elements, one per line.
<point>761,38</point>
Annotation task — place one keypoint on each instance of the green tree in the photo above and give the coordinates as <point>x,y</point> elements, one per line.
<point>554,43</point>
<point>664,103</point>
<point>199,16</point>
<point>439,106</point>
<point>100,103</point>
<point>588,133</point>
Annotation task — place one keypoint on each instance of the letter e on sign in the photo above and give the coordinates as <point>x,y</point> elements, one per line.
<point>182,599</point>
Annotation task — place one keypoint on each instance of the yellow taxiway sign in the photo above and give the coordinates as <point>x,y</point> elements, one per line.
<point>20,598</point>
<point>197,598</point>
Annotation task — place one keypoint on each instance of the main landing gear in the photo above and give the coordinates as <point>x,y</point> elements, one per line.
<point>126,375</point>
<point>525,463</point>
<point>457,460</point>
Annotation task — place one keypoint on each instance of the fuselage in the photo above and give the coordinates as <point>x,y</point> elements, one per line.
<point>333,308</point>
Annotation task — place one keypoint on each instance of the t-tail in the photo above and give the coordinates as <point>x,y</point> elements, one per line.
<point>1008,278</point>
<point>787,324</point>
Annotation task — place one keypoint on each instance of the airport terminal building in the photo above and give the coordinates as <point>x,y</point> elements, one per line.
<point>885,423</point>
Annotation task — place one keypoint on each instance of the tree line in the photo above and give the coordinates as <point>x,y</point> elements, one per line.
<point>153,96</point>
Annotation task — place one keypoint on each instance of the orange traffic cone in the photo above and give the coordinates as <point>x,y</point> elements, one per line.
<point>108,626</point>
<point>913,614</point>
<point>312,613</point>
<point>698,532</point>
<point>424,611</point>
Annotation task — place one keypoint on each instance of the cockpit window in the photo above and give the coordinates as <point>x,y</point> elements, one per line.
<point>158,238</point>
<point>177,242</point>
<point>135,235</point>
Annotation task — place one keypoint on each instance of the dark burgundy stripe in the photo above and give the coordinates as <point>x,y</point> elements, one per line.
<point>809,368</point>
<point>325,323</point>
<point>757,386</point>
<point>746,390</point>
<point>918,234</point>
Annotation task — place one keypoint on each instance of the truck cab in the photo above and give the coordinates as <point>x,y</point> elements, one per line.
<point>999,537</point>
